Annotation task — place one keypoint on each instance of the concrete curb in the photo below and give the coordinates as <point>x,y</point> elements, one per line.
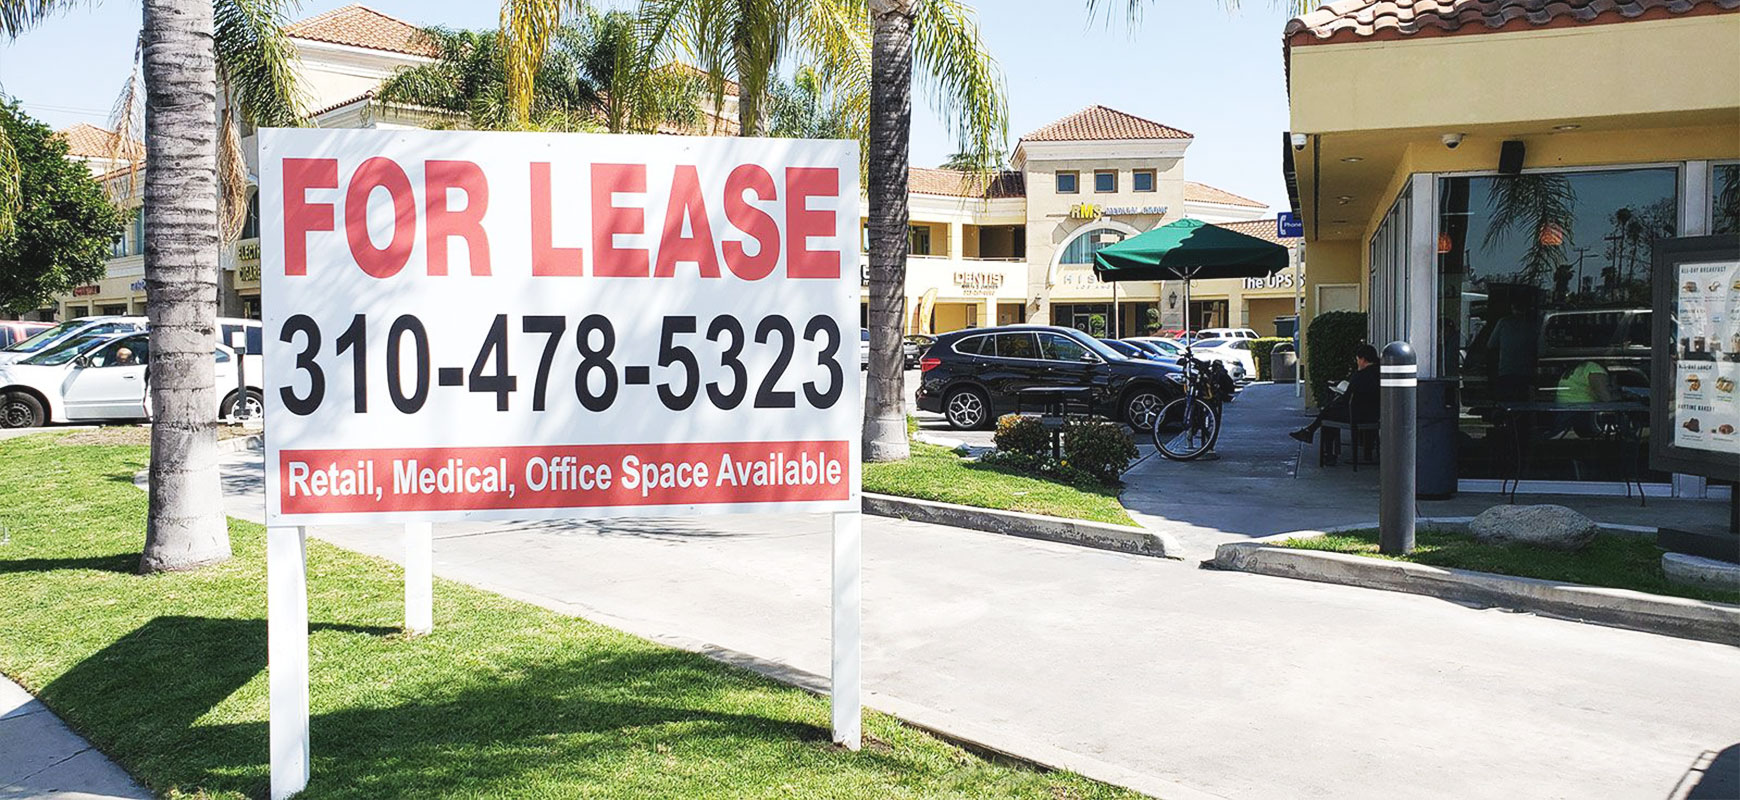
<point>237,444</point>
<point>1620,608</point>
<point>1098,535</point>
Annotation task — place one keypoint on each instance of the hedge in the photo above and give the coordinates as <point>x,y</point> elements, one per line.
<point>1260,350</point>
<point>1329,344</point>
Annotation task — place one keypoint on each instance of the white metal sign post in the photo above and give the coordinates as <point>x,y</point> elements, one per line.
<point>478,326</point>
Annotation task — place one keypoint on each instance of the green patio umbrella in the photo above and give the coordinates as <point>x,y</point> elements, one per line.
<point>1186,250</point>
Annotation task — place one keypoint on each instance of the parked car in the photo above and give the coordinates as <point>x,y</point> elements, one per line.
<point>13,331</point>
<point>1226,333</point>
<point>99,377</point>
<point>1234,353</point>
<point>1133,350</point>
<point>1165,347</point>
<point>864,348</point>
<point>974,375</point>
<point>914,346</point>
<point>82,326</point>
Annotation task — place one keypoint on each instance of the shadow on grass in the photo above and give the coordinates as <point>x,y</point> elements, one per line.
<point>126,563</point>
<point>413,723</point>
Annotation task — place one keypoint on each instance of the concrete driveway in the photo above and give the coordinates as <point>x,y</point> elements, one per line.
<point>1158,675</point>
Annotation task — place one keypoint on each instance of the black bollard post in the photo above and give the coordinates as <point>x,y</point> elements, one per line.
<point>1398,377</point>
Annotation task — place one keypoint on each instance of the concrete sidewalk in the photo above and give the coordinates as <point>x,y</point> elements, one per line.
<point>1150,673</point>
<point>1265,483</point>
<point>41,758</point>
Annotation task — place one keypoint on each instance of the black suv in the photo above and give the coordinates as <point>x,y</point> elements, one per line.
<point>972,376</point>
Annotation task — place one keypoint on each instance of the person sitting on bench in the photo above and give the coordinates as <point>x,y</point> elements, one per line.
<point>1359,404</point>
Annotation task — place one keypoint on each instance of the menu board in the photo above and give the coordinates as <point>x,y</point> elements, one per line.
<point>1706,356</point>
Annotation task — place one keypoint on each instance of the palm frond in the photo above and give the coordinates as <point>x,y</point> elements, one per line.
<point>18,16</point>
<point>11,180</point>
<point>127,120</point>
<point>232,168</point>
<point>526,29</point>
<point>963,80</point>
<point>256,61</point>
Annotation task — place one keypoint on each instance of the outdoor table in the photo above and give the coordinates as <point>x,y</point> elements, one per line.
<point>1054,403</point>
<point>1514,414</point>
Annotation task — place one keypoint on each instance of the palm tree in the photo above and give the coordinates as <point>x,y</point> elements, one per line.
<point>804,109</point>
<point>945,36</point>
<point>1543,208</point>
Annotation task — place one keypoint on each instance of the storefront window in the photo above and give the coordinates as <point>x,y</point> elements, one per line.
<point>1544,307</point>
<point>1106,180</point>
<point>1066,182</point>
<point>1093,319</point>
<point>251,223</point>
<point>1142,180</point>
<point>918,240</point>
<point>1725,199</point>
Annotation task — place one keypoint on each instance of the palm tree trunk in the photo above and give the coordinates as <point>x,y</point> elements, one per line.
<point>185,526</point>
<point>890,145</point>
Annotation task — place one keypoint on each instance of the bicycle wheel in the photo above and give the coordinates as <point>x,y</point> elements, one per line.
<point>1185,429</point>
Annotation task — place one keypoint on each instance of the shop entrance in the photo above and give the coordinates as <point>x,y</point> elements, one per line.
<point>1208,314</point>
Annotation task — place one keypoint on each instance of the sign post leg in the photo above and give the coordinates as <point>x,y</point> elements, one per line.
<point>287,658</point>
<point>846,681</point>
<point>419,578</point>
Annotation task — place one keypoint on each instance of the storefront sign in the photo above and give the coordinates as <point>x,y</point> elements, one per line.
<point>87,290</point>
<point>468,325</point>
<point>979,284</point>
<point>248,252</point>
<point>1126,211</point>
<point>1278,280</point>
<point>248,273</point>
<point>1084,211</point>
<point>1696,375</point>
<point>136,286</point>
<point>1288,225</point>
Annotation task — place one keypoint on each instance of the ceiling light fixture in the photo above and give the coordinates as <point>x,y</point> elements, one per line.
<point>1566,127</point>
<point>1353,159</point>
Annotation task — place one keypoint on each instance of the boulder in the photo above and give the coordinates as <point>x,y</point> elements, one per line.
<point>1700,571</point>
<point>1548,525</point>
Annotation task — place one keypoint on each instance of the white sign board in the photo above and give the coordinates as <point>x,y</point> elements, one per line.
<point>468,325</point>
<point>1706,387</point>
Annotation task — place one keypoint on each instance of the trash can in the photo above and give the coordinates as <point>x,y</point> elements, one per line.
<point>1435,441</point>
<point>1283,364</point>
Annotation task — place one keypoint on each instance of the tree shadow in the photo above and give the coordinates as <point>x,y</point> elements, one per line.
<point>125,563</point>
<point>425,718</point>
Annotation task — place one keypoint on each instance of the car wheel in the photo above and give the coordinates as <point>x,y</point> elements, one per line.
<point>967,409</point>
<point>1142,406</point>
<point>253,405</point>
<point>21,410</point>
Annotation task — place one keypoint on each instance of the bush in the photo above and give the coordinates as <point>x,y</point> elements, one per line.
<point>1099,448</point>
<point>1019,434</point>
<point>1260,350</point>
<point>1329,344</point>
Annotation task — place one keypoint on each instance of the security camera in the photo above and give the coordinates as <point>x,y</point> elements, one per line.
<point>1451,140</point>
<point>1298,141</point>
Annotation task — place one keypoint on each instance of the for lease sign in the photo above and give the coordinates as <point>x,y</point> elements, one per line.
<point>467,325</point>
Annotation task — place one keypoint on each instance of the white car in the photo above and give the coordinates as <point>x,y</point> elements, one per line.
<point>1226,333</point>
<point>65,331</point>
<point>1234,353</point>
<point>864,349</point>
<point>90,378</point>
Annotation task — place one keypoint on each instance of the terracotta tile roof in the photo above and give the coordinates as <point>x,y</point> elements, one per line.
<point>361,26</point>
<point>731,87</point>
<point>1360,20</point>
<point>1101,123</point>
<point>90,141</point>
<point>368,95</point>
<point>1203,193</point>
<point>1260,228</point>
<point>956,183</point>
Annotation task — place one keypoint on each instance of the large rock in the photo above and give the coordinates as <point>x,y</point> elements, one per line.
<point>1699,571</point>
<point>1548,525</point>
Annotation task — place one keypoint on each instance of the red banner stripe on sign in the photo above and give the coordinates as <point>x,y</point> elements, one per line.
<point>561,476</point>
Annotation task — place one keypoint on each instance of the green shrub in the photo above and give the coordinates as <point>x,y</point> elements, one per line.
<point>1329,344</point>
<point>1099,448</point>
<point>1260,350</point>
<point>1019,434</point>
<point>1042,466</point>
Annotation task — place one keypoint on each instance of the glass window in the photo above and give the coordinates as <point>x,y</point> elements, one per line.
<point>1016,345</point>
<point>1725,198</point>
<point>221,356</point>
<point>1545,292</point>
<point>1105,180</point>
<point>1142,180</point>
<point>138,242</point>
<point>1066,182</point>
<point>1057,347</point>
<point>1081,249</point>
<point>971,345</point>
<point>129,352</point>
<point>918,240</point>
<point>251,223</point>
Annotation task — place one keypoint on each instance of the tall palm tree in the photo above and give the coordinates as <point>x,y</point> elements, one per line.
<point>944,37</point>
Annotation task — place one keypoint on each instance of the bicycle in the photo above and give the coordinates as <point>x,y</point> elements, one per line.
<point>1189,426</point>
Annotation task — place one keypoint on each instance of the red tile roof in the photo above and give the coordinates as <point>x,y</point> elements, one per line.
<point>1203,193</point>
<point>1101,123</point>
<point>361,26</point>
<point>1260,228</point>
<point>956,183</point>
<point>1362,20</point>
<point>90,141</point>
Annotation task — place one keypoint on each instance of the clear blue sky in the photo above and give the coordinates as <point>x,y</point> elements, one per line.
<point>1190,64</point>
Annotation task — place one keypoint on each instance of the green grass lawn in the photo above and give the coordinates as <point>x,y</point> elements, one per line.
<point>936,473</point>
<point>1612,560</point>
<point>167,675</point>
